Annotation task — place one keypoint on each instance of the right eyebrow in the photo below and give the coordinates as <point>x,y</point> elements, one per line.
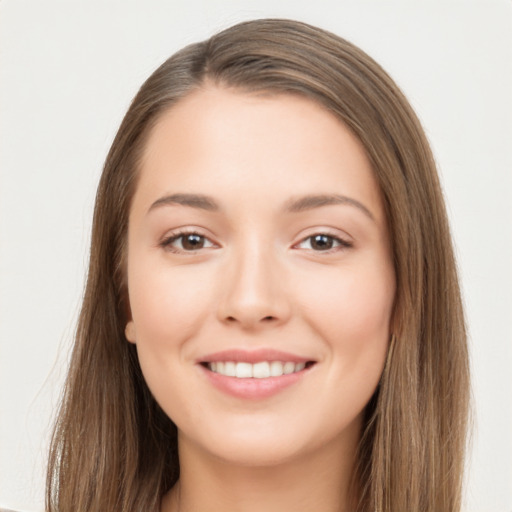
<point>193,200</point>
<point>310,202</point>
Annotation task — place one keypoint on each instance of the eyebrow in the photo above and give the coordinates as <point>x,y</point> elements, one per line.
<point>192,200</point>
<point>297,205</point>
<point>316,201</point>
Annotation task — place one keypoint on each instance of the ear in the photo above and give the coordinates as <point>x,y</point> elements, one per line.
<point>129,331</point>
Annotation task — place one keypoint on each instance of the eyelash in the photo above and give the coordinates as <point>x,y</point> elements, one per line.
<point>341,243</point>
<point>167,242</point>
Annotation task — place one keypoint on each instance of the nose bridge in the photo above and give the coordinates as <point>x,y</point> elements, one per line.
<point>254,293</point>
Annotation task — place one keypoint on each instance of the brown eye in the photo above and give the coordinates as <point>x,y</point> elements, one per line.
<point>322,242</point>
<point>192,242</point>
<point>186,242</point>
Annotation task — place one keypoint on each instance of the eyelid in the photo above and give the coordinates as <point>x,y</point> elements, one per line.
<point>171,236</point>
<point>344,241</point>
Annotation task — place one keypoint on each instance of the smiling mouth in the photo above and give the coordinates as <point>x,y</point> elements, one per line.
<point>260,370</point>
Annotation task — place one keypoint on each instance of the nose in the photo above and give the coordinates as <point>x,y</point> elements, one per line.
<point>254,292</point>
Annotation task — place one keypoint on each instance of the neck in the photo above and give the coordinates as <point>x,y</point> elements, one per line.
<point>316,481</point>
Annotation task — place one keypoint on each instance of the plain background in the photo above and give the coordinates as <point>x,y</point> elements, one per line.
<point>68,72</point>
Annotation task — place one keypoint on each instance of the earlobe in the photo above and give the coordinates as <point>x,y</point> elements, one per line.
<point>129,331</point>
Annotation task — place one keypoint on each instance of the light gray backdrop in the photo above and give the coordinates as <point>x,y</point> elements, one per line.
<point>68,71</point>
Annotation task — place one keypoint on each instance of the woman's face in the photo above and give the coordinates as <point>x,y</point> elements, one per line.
<point>260,276</point>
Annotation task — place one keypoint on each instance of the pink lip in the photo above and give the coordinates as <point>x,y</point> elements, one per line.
<point>252,356</point>
<point>252,388</point>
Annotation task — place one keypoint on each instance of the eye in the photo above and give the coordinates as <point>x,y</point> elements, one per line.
<point>186,242</point>
<point>323,242</point>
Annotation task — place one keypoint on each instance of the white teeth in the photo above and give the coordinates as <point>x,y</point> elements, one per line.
<point>243,370</point>
<point>276,369</point>
<point>261,370</point>
<point>288,368</point>
<point>229,369</point>
<point>300,366</point>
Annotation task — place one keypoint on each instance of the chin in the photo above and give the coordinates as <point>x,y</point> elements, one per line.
<point>257,452</point>
<point>268,443</point>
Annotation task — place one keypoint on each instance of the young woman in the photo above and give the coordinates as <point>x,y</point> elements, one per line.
<point>272,318</point>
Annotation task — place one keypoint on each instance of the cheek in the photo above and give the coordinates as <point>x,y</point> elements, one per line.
<point>353,320</point>
<point>353,311</point>
<point>167,304</point>
<point>168,308</point>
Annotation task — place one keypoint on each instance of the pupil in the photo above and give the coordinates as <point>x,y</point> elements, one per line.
<point>322,242</point>
<point>193,242</point>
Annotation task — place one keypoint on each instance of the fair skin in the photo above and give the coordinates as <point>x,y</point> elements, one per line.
<point>287,260</point>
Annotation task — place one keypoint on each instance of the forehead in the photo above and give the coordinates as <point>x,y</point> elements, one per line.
<point>229,142</point>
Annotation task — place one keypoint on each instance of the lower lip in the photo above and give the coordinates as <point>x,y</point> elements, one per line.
<point>253,388</point>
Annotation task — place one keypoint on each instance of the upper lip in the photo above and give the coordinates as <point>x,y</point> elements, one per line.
<point>253,356</point>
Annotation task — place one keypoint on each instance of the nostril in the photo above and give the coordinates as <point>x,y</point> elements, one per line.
<point>252,320</point>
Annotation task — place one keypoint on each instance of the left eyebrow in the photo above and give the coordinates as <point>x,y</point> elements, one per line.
<point>192,200</point>
<point>316,201</point>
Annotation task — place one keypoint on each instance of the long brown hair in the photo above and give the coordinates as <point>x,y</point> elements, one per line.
<point>113,448</point>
